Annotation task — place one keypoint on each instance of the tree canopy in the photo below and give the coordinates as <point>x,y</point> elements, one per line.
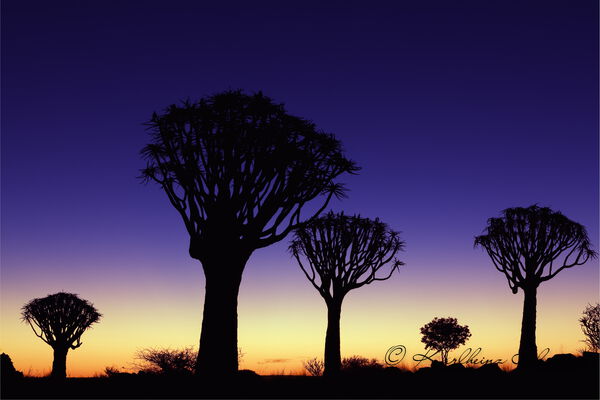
<point>60,319</point>
<point>242,162</point>
<point>532,245</point>
<point>443,335</point>
<point>343,252</point>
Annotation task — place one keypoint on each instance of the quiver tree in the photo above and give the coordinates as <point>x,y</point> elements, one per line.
<point>342,253</point>
<point>443,335</point>
<point>59,320</point>
<point>530,246</point>
<point>239,170</point>
<point>590,326</point>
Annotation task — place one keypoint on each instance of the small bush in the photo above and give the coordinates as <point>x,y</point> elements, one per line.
<point>354,363</point>
<point>170,362</point>
<point>167,361</point>
<point>8,370</point>
<point>314,366</point>
<point>113,372</point>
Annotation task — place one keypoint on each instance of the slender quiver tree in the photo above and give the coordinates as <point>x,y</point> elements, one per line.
<point>239,170</point>
<point>343,253</point>
<point>590,326</point>
<point>59,320</point>
<point>530,246</point>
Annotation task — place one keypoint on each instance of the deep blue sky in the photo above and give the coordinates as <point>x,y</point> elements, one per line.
<point>455,110</point>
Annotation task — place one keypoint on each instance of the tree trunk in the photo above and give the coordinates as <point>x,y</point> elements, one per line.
<point>333,358</point>
<point>59,364</point>
<point>528,347</point>
<point>218,352</point>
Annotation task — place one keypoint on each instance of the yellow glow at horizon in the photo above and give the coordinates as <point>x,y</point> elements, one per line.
<point>281,327</point>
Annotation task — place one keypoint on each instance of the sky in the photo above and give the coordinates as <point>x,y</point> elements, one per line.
<point>453,110</point>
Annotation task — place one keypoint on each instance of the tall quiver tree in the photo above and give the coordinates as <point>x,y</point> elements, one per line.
<point>530,246</point>
<point>59,320</point>
<point>239,170</point>
<point>343,253</point>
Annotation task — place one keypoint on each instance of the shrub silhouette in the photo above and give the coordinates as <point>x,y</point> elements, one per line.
<point>360,363</point>
<point>167,361</point>
<point>590,325</point>
<point>112,372</point>
<point>443,335</point>
<point>239,170</point>
<point>61,319</point>
<point>314,366</point>
<point>7,369</point>
<point>343,253</point>
<point>530,246</point>
<point>354,363</point>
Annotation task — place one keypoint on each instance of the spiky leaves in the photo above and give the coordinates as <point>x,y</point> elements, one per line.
<point>238,168</point>
<point>60,319</point>
<point>345,252</point>
<point>532,245</point>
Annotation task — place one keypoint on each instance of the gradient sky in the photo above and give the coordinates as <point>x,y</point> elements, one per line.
<point>455,110</point>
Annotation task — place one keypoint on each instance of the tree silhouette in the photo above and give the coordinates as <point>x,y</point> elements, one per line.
<point>239,170</point>
<point>59,320</point>
<point>443,335</point>
<point>343,253</point>
<point>590,325</point>
<point>530,246</point>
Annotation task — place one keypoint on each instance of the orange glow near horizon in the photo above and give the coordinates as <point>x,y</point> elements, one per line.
<point>282,325</point>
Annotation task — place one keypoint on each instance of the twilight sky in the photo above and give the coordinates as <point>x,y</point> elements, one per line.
<point>454,110</point>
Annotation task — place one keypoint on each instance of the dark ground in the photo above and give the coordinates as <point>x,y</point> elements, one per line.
<point>568,378</point>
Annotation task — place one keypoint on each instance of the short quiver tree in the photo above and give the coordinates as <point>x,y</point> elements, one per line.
<point>343,253</point>
<point>239,170</point>
<point>443,335</point>
<point>590,326</point>
<point>59,320</point>
<point>530,246</point>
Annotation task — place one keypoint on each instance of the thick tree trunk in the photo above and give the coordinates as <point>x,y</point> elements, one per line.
<point>59,364</point>
<point>333,358</point>
<point>528,347</point>
<point>218,352</point>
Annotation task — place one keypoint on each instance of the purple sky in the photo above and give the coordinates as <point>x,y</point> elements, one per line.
<point>455,110</point>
